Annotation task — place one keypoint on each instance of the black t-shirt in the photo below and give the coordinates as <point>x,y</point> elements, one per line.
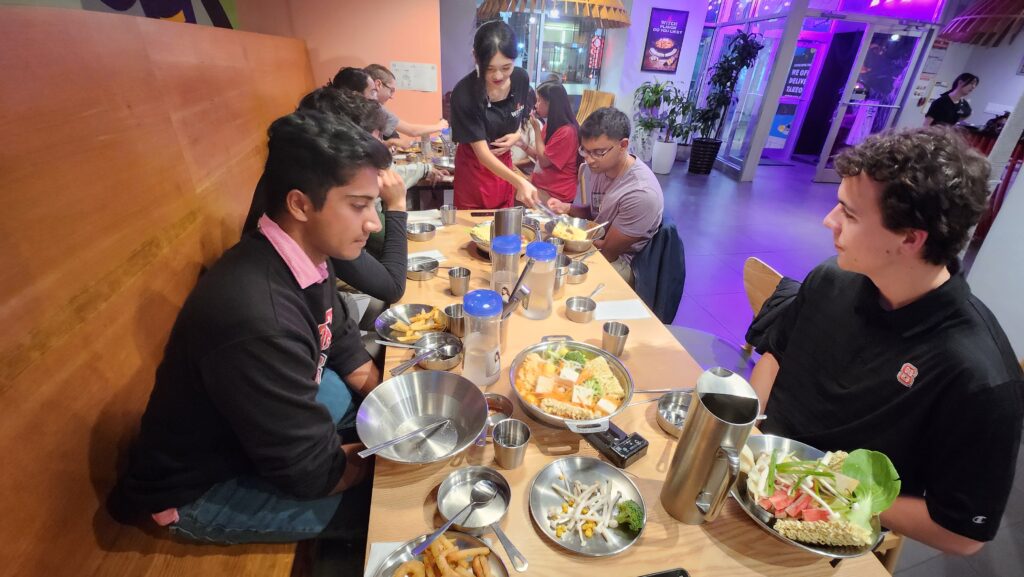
<point>934,385</point>
<point>944,111</point>
<point>474,119</point>
<point>235,394</point>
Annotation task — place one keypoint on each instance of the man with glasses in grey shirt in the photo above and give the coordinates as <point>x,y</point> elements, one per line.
<point>623,191</point>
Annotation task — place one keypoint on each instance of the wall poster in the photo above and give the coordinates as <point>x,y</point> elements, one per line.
<point>664,40</point>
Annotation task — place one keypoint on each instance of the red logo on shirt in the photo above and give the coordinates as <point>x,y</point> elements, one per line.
<point>907,375</point>
<point>325,342</point>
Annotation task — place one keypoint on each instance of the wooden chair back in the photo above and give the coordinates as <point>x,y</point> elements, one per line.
<point>131,150</point>
<point>591,101</point>
<point>759,282</point>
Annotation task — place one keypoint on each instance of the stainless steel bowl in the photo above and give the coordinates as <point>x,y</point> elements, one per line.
<point>576,272</point>
<point>580,309</point>
<point>391,563</point>
<point>554,342</point>
<point>588,471</point>
<point>445,353</point>
<point>413,400</point>
<point>529,234</point>
<point>767,443</point>
<point>453,496</point>
<point>672,409</point>
<point>444,162</point>
<point>421,268</point>
<point>403,313</point>
<point>420,231</point>
<point>576,246</point>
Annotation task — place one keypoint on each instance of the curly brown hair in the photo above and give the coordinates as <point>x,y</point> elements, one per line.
<point>932,180</point>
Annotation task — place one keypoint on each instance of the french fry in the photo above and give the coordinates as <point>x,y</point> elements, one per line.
<point>485,564</point>
<point>460,572</point>
<point>463,564</point>
<point>419,325</point>
<point>400,326</point>
<point>456,556</point>
<point>437,315</point>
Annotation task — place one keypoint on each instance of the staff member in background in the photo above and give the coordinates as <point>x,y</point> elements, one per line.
<point>556,149</point>
<point>952,106</point>
<point>489,108</point>
<point>386,85</point>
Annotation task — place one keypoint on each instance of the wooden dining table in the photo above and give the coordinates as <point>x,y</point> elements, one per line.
<point>404,496</point>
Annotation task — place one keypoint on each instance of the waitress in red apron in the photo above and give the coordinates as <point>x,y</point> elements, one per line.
<point>488,109</point>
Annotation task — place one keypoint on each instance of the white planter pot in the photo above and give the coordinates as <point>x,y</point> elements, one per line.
<point>641,145</point>
<point>683,152</point>
<point>664,157</point>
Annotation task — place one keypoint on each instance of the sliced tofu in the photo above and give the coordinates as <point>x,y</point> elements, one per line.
<point>544,385</point>
<point>569,374</point>
<point>582,395</point>
<point>607,405</point>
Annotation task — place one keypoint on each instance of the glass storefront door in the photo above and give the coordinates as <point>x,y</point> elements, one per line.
<point>874,91</point>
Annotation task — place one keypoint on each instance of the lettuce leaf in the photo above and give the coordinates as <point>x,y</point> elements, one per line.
<point>879,485</point>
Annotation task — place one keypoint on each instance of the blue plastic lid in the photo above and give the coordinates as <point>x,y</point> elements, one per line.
<point>507,244</point>
<point>482,303</point>
<point>542,251</point>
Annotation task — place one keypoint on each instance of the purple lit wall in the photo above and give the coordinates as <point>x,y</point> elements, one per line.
<point>927,10</point>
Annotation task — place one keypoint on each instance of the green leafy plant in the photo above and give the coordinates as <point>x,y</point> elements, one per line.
<point>740,54</point>
<point>677,117</point>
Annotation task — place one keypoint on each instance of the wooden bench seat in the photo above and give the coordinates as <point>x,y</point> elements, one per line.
<point>130,151</point>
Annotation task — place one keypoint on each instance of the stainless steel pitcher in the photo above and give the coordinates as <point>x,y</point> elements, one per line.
<point>508,221</point>
<point>706,461</point>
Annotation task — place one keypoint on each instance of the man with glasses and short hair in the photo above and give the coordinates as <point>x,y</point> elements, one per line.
<point>623,191</point>
<point>387,87</point>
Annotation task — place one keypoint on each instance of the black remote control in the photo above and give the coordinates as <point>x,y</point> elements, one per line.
<point>621,449</point>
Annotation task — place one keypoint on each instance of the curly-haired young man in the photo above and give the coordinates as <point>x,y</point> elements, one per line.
<point>885,347</point>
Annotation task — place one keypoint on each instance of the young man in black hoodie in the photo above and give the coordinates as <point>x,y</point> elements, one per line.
<point>240,440</point>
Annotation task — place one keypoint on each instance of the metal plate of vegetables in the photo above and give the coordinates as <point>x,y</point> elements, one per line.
<point>587,506</point>
<point>825,503</point>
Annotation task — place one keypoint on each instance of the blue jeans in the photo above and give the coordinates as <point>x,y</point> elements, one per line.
<point>250,509</point>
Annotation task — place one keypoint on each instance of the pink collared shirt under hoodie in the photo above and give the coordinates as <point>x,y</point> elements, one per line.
<point>306,274</point>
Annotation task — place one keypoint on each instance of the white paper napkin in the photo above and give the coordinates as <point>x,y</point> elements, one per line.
<point>378,553</point>
<point>428,216</point>
<point>621,310</point>
<point>434,254</point>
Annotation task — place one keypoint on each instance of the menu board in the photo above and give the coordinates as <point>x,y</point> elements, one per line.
<point>664,40</point>
<point>799,71</point>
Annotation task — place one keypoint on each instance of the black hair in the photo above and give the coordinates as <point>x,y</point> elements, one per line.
<point>354,79</point>
<point>965,78</point>
<point>315,152</point>
<point>366,113</point>
<point>932,180</point>
<point>559,108</point>
<point>491,38</point>
<point>608,120</point>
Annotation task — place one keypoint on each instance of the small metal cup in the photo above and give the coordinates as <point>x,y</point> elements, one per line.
<point>613,338</point>
<point>511,437</point>
<point>559,245</point>
<point>456,320</point>
<point>459,279</point>
<point>448,214</point>
<point>559,282</point>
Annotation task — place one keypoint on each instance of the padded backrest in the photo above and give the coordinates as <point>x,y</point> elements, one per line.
<point>131,148</point>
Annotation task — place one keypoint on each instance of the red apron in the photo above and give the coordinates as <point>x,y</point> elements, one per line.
<point>476,186</point>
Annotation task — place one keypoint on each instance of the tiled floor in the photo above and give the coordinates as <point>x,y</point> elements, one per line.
<point>778,218</point>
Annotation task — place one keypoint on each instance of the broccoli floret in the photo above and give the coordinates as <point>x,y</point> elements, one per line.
<point>594,384</point>
<point>575,357</point>
<point>630,515</point>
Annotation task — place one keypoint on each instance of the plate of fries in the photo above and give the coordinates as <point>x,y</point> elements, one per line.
<point>407,323</point>
<point>453,554</point>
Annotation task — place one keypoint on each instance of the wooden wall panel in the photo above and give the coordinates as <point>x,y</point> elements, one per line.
<point>130,149</point>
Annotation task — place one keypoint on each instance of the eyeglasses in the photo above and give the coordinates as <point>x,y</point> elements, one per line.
<point>392,88</point>
<point>594,153</point>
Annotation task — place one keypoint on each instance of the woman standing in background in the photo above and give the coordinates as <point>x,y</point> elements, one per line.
<point>556,149</point>
<point>952,106</point>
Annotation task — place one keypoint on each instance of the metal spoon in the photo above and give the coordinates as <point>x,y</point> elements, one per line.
<point>518,561</point>
<point>482,493</point>
<point>378,448</point>
<point>398,345</point>
<point>412,362</point>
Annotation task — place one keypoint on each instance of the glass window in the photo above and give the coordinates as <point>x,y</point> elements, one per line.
<point>572,49</point>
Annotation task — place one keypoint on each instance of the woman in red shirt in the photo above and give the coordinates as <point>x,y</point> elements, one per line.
<point>556,147</point>
<point>488,109</point>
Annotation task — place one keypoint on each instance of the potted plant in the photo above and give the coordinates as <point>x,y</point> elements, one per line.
<point>708,121</point>
<point>648,117</point>
<point>677,130</point>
